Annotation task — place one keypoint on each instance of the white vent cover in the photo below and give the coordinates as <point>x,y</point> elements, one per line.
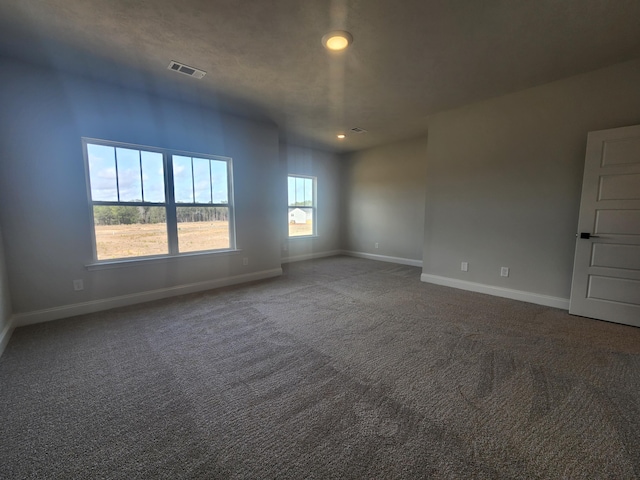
<point>187,70</point>
<point>358,130</point>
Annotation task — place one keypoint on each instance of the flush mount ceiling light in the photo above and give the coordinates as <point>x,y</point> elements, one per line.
<point>341,136</point>
<point>337,40</point>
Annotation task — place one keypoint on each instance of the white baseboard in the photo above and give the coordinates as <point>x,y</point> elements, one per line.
<point>384,258</point>
<point>546,300</point>
<point>311,256</point>
<point>55,313</point>
<point>5,335</point>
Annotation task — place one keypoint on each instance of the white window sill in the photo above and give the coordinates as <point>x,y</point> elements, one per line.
<point>138,261</point>
<point>297,237</point>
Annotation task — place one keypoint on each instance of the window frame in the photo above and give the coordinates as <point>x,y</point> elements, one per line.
<point>313,207</point>
<point>169,204</point>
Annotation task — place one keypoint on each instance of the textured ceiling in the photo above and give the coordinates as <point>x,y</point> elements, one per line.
<point>263,58</point>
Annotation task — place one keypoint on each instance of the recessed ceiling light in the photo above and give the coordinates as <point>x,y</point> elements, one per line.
<point>341,136</point>
<point>337,40</point>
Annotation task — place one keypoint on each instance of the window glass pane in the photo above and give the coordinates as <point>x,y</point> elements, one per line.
<point>308,192</point>
<point>129,183</point>
<point>125,231</point>
<point>102,172</point>
<point>292,190</point>
<point>220,181</point>
<point>152,177</point>
<point>299,191</point>
<point>300,221</point>
<point>202,180</point>
<point>202,228</point>
<point>182,179</point>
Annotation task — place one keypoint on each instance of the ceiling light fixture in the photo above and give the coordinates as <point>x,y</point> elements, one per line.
<point>337,40</point>
<point>341,136</point>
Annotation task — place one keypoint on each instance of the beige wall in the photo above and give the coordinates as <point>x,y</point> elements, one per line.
<point>504,179</point>
<point>384,199</point>
<point>44,210</point>
<point>326,167</point>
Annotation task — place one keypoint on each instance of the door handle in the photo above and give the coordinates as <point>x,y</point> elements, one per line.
<point>587,235</point>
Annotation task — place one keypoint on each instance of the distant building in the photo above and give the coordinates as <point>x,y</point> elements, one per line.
<point>297,216</point>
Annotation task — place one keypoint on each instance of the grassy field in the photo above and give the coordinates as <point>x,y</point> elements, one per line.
<point>300,229</point>
<point>121,241</point>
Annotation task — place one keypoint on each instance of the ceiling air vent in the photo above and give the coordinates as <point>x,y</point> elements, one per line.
<point>358,130</point>
<point>187,70</point>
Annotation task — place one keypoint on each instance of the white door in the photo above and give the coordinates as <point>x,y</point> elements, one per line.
<point>606,269</point>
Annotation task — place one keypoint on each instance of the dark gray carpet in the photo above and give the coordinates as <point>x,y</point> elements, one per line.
<point>342,368</point>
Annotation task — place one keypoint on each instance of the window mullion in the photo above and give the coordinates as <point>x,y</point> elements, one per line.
<point>193,183</point>
<point>172,217</point>
<point>141,179</point>
<point>115,159</point>
<point>211,182</point>
<point>230,204</point>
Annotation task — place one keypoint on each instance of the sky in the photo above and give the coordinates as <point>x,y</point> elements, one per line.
<point>300,190</point>
<point>141,176</point>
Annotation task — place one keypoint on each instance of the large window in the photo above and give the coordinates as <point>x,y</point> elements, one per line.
<point>149,201</point>
<point>302,206</point>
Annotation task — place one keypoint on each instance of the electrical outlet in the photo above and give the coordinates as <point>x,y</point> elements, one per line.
<point>464,266</point>
<point>376,245</point>
<point>78,285</point>
<point>504,271</point>
<point>245,261</point>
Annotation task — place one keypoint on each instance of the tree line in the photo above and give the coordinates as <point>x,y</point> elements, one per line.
<point>127,214</point>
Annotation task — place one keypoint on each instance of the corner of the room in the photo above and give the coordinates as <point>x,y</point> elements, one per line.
<point>6,324</point>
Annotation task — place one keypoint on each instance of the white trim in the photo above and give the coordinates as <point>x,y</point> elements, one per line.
<point>311,256</point>
<point>302,237</point>
<point>546,300</point>
<point>138,261</point>
<point>5,335</point>
<point>55,313</point>
<point>384,258</point>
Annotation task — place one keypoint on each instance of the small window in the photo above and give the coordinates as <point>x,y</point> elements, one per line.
<point>140,210</point>
<point>302,206</point>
